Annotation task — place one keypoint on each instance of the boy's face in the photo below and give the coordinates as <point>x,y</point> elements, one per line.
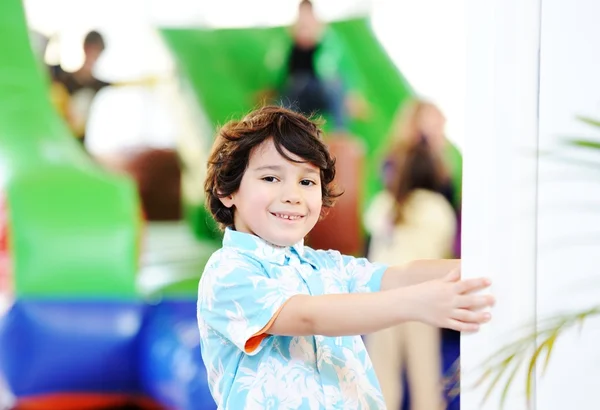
<point>278,200</point>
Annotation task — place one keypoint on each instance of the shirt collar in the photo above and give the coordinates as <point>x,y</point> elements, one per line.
<point>251,243</point>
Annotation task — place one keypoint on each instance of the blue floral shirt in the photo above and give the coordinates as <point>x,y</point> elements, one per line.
<point>243,287</point>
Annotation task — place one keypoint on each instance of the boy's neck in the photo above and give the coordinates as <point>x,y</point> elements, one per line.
<point>262,239</point>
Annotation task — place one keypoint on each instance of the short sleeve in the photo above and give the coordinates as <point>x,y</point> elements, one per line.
<point>239,300</point>
<point>361,275</point>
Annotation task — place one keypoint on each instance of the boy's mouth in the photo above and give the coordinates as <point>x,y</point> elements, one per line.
<point>287,216</point>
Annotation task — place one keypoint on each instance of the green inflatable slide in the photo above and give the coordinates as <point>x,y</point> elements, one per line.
<point>72,230</point>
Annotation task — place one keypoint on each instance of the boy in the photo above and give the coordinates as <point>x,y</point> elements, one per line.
<point>280,322</point>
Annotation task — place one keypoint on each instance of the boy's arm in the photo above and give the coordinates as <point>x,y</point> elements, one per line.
<point>340,314</point>
<point>442,303</point>
<point>416,272</point>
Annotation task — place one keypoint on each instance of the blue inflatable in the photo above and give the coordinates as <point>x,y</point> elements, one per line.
<point>171,367</point>
<point>38,341</point>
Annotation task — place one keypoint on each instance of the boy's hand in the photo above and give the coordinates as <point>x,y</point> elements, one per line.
<point>449,302</point>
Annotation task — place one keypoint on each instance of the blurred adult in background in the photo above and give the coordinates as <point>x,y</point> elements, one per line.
<point>411,220</point>
<point>316,75</point>
<point>74,92</point>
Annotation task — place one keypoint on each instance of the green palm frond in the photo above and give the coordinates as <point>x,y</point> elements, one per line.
<point>585,143</point>
<point>589,120</point>
<point>590,144</point>
<point>514,355</point>
<point>451,380</point>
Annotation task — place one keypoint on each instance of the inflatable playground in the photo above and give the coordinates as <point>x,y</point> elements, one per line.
<point>93,314</point>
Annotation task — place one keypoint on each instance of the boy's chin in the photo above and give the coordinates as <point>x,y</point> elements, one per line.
<point>284,241</point>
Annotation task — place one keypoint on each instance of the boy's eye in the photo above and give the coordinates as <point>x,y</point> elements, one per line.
<point>269,179</point>
<point>307,182</point>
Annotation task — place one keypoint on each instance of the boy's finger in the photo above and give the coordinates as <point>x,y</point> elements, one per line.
<point>462,326</point>
<point>453,275</point>
<point>468,316</point>
<point>474,302</point>
<point>472,285</point>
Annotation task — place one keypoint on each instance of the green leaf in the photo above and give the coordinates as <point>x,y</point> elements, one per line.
<point>585,143</point>
<point>546,344</point>
<point>529,379</point>
<point>512,347</point>
<point>549,351</point>
<point>505,365</point>
<point>483,377</point>
<point>590,165</point>
<point>452,380</point>
<point>507,385</point>
<point>588,120</point>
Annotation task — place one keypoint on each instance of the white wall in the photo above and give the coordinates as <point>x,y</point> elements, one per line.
<point>569,200</point>
<point>530,222</point>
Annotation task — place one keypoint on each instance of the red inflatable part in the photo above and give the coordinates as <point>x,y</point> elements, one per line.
<point>157,173</point>
<point>6,282</point>
<point>86,401</point>
<point>341,229</point>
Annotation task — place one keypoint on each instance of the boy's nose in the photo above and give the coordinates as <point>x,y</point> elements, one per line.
<point>291,194</point>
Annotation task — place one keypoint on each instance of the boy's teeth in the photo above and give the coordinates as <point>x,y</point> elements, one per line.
<point>287,216</point>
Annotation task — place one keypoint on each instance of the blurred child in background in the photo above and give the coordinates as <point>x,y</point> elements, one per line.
<point>412,219</point>
<point>419,120</point>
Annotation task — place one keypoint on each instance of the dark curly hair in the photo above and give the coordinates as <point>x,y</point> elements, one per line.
<point>290,131</point>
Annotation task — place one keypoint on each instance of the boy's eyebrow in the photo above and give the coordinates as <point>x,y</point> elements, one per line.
<point>278,168</point>
<point>268,168</point>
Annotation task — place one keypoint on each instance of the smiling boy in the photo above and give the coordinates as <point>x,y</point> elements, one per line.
<point>280,323</point>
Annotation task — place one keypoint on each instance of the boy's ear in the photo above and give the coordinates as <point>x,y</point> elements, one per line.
<point>227,201</point>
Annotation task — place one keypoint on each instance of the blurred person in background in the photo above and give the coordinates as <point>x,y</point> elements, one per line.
<point>422,120</point>
<point>411,219</point>
<point>419,120</point>
<point>317,76</point>
<point>74,92</point>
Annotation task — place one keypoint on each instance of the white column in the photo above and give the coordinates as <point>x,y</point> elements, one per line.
<point>500,175</point>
